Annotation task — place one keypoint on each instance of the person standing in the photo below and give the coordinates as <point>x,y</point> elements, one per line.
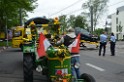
<point>103,42</point>
<point>112,44</point>
<point>71,41</point>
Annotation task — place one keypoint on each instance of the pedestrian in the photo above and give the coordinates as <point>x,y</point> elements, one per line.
<point>112,44</point>
<point>103,42</point>
<point>68,40</point>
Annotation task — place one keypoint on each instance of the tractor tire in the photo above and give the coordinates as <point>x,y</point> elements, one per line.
<point>34,58</point>
<point>87,78</point>
<point>21,46</point>
<point>28,68</point>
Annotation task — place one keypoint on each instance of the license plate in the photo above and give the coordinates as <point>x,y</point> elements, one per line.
<point>61,71</point>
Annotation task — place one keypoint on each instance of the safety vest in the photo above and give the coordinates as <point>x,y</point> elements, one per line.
<point>74,47</point>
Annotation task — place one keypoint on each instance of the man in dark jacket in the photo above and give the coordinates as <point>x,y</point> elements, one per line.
<point>68,40</point>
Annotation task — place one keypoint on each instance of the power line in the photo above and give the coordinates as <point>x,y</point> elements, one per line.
<point>74,11</point>
<point>66,7</point>
<point>81,9</point>
<point>78,9</point>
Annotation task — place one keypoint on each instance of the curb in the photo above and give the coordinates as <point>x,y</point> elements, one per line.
<point>3,48</point>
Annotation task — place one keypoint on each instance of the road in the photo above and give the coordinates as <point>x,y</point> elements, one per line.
<point>103,69</point>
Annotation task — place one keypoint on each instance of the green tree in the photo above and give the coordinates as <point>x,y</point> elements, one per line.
<point>77,21</point>
<point>63,21</point>
<point>98,6</point>
<point>9,10</point>
<point>99,31</point>
<point>71,21</point>
<point>80,21</point>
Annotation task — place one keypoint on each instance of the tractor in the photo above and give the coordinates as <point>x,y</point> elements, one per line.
<point>56,63</point>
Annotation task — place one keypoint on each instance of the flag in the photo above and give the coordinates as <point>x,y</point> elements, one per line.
<point>43,45</point>
<point>74,47</point>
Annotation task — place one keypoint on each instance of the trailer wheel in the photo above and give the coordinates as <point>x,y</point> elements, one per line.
<point>28,68</point>
<point>87,78</point>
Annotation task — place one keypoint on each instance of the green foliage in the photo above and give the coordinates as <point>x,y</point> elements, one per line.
<point>63,21</point>
<point>98,31</point>
<point>80,21</point>
<point>4,43</point>
<point>72,21</point>
<point>10,9</point>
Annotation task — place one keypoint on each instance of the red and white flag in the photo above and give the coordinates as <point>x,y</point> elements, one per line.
<point>74,47</point>
<point>43,45</point>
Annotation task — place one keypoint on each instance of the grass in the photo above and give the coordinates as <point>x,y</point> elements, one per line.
<point>4,43</point>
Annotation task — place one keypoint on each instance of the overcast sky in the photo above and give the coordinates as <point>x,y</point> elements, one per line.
<point>51,8</point>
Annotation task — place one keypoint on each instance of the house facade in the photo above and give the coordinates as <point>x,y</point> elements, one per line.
<point>117,23</point>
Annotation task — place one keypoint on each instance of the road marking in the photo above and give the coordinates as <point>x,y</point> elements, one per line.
<point>96,67</point>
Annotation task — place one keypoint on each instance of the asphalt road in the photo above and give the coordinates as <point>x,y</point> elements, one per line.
<point>103,69</point>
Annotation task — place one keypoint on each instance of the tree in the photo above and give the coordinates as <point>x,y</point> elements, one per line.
<point>71,21</point>
<point>98,7</point>
<point>9,10</point>
<point>63,21</point>
<point>99,31</point>
<point>80,21</point>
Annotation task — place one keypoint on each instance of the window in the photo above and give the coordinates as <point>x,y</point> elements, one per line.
<point>117,28</point>
<point>117,12</point>
<point>17,33</point>
<point>116,20</point>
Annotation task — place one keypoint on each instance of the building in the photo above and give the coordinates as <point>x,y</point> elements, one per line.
<point>117,23</point>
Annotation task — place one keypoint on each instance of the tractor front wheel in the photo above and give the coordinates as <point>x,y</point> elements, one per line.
<point>87,78</point>
<point>28,68</point>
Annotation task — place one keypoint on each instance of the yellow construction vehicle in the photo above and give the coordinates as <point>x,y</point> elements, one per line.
<point>18,34</point>
<point>2,35</point>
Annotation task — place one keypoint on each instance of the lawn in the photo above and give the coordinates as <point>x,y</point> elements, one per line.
<point>4,43</point>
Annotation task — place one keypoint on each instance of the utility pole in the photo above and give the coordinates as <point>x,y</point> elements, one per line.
<point>91,12</point>
<point>20,16</point>
<point>106,29</point>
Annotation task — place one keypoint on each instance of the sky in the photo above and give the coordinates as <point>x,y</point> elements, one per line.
<point>52,8</point>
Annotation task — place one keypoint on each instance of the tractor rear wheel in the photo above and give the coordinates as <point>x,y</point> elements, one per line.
<point>28,68</point>
<point>87,78</point>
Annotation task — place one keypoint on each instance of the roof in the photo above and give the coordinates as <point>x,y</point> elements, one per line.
<point>120,8</point>
<point>37,20</point>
